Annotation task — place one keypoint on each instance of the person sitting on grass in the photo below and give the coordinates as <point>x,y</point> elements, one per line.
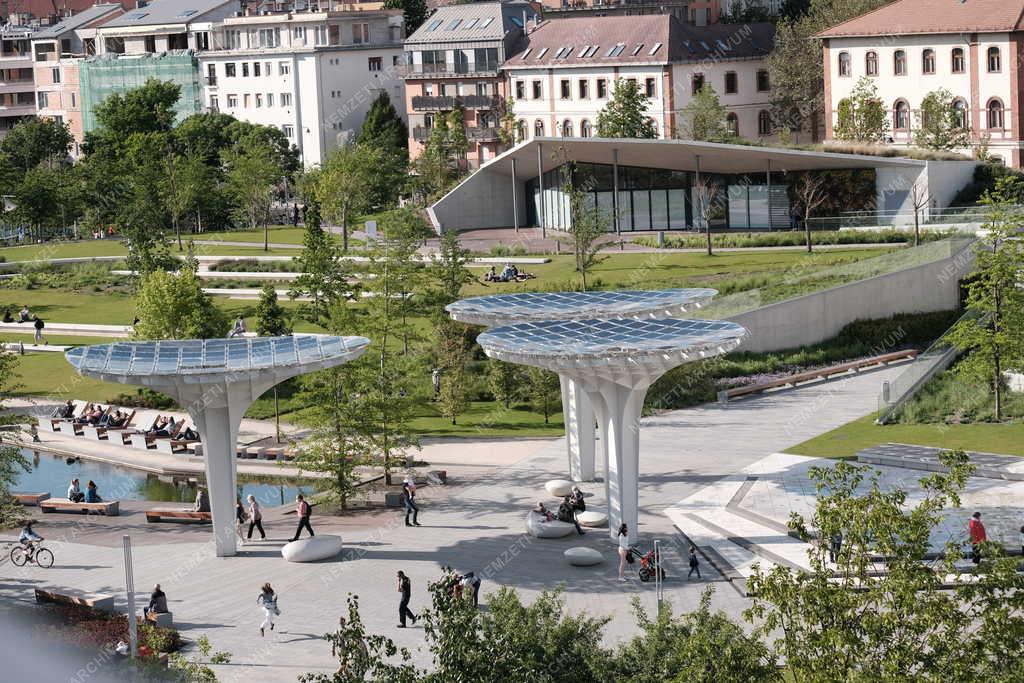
<point>491,275</point>
<point>91,493</point>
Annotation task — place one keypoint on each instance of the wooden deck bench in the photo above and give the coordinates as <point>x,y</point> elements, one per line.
<point>823,373</point>
<point>174,446</point>
<point>177,515</point>
<point>66,596</point>
<point>101,433</point>
<point>30,498</point>
<point>110,508</point>
<point>52,424</point>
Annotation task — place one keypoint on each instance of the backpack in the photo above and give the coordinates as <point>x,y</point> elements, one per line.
<point>309,509</point>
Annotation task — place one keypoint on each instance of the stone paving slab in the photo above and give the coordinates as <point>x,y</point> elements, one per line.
<point>989,465</point>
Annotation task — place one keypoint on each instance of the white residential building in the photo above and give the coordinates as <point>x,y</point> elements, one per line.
<point>17,89</point>
<point>564,71</point>
<point>912,47</point>
<point>311,74</point>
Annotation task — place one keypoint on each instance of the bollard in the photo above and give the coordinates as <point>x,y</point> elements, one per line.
<point>661,239</point>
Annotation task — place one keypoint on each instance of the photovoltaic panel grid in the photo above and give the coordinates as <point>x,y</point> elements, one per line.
<point>499,309</point>
<point>200,356</point>
<point>592,339</point>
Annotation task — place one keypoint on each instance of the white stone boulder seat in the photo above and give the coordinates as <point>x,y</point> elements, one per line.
<point>592,518</point>
<point>311,549</point>
<point>583,557</point>
<point>539,527</point>
<point>559,487</point>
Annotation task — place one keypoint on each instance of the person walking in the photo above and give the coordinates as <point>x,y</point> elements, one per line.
<point>267,600</point>
<point>240,519</point>
<point>409,498</point>
<point>835,544</point>
<point>623,550</point>
<point>694,563</point>
<point>255,518</point>
<point>303,510</point>
<point>405,589</point>
<point>38,324</point>
<point>978,536</point>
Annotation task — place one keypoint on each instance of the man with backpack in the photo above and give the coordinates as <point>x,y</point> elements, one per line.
<point>303,510</point>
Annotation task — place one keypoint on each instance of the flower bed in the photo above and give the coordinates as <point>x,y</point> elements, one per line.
<point>85,627</point>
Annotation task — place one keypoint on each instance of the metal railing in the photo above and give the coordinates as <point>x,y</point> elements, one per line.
<point>471,69</point>
<point>448,102</point>
<point>936,358</point>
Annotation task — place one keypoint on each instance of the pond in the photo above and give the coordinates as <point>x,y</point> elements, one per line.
<point>53,473</point>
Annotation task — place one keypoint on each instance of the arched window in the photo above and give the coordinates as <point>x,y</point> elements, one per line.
<point>960,110</point>
<point>538,129</point>
<point>899,63</point>
<point>871,64</point>
<point>958,60</point>
<point>928,61</point>
<point>995,114</point>
<point>567,128</point>
<point>764,122</point>
<point>844,64</point>
<point>733,122</point>
<point>585,130</point>
<point>520,130</point>
<point>995,61</point>
<point>901,115</point>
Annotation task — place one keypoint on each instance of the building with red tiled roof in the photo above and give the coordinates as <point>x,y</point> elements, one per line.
<point>909,48</point>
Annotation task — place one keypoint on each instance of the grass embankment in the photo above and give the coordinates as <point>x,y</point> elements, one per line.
<point>793,238</point>
<point>847,440</point>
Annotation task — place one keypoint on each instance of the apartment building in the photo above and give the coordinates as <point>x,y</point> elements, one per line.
<point>564,72</point>
<point>913,47</point>
<point>57,52</point>
<point>454,61</point>
<point>312,74</point>
<point>17,88</point>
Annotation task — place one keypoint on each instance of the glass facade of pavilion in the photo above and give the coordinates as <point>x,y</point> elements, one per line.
<point>659,199</point>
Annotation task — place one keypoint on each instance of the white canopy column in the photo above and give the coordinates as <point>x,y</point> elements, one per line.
<point>216,380</point>
<point>615,362</point>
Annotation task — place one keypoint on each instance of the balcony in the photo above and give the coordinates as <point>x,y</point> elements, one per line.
<point>211,80</point>
<point>483,70</point>
<point>18,85</point>
<point>449,102</point>
<point>420,133</point>
<point>483,134</point>
<point>433,102</point>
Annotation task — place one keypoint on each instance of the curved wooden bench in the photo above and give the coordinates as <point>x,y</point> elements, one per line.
<point>110,508</point>
<point>30,498</point>
<point>177,515</point>
<point>65,596</point>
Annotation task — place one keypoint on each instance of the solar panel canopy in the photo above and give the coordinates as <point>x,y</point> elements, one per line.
<point>211,356</point>
<point>629,340</point>
<point>500,309</point>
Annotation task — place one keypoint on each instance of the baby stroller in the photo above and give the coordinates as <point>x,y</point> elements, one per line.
<point>648,565</point>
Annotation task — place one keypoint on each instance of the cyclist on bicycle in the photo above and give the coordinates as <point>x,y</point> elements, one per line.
<point>29,538</point>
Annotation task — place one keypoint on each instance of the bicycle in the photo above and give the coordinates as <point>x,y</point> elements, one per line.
<point>40,556</point>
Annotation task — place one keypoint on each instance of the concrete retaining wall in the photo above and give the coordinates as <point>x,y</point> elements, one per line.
<point>816,317</point>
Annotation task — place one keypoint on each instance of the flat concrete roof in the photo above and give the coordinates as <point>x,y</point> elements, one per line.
<point>680,155</point>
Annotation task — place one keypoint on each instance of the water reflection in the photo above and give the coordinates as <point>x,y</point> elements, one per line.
<point>53,473</point>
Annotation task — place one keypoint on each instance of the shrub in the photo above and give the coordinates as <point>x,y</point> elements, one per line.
<point>792,238</point>
<point>984,179</point>
<point>144,398</point>
<point>500,250</point>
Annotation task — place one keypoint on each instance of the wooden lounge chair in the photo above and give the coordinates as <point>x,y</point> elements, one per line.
<point>100,433</point>
<point>53,424</point>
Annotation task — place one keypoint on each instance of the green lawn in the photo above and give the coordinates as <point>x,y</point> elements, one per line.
<point>49,374</point>
<point>487,419</point>
<point>53,250</point>
<point>670,269</point>
<point>847,440</point>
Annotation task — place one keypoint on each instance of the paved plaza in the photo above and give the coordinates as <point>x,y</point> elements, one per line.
<point>474,524</point>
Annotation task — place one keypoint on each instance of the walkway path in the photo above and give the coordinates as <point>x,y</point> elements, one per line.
<point>476,524</point>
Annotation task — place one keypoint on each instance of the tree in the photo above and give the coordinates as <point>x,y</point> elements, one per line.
<point>435,166</point>
<point>811,190</point>
<point>186,179</point>
<point>845,621</point>
<point>271,321</point>
<point>862,116</point>
<point>508,125</point>
<point>36,141</point>
<point>795,63</point>
<point>705,117</point>
<point>174,306</point>
<point>452,357</point>
<point>458,143</point>
<point>938,123</point>
<point>449,270</point>
<point>39,198</point>
<point>415,12</point>
<point>385,130</point>
<point>504,380</point>
<point>12,462</point>
<point>146,109</point>
<point>545,391</point>
<point>701,646</point>
<point>919,199</point>
<point>252,169</point>
<point>322,275</point>
<point>588,224</point>
<point>345,183</point>
<point>993,339</point>
<point>625,115</point>
<point>708,193</point>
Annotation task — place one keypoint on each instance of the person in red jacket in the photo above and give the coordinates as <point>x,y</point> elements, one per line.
<point>977,532</point>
